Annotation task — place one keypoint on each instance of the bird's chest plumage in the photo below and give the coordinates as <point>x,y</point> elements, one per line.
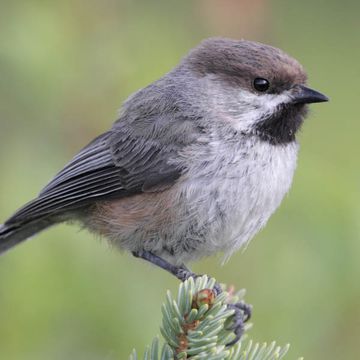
<point>227,194</point>
<point>230,197</point>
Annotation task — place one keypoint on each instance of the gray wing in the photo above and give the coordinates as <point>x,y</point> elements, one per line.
<point>114,165</point>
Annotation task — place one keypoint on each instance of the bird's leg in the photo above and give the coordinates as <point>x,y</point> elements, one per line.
<point>242,311</point>
<point>181,272</point>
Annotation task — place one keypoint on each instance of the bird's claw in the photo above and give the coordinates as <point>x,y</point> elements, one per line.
<point>184,274</point>
<point>242,313</point>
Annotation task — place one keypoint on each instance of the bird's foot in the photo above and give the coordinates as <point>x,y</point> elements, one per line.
<point>183,273</point>
<point>242,313</point>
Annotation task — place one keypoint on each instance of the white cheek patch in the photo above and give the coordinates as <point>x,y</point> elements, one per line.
<point>271,101</point>
<point>249,108</point>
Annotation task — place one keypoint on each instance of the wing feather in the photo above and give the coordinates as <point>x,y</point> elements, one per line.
<point>113,165</point>
<point>96,155</point>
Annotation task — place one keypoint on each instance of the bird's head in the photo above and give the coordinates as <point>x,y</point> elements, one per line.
<point>256,88</point>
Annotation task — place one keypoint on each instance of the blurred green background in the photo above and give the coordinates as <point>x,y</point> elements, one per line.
<point>65,68</point>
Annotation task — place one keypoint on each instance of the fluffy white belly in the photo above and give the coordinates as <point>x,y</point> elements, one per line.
<point>233,195</point>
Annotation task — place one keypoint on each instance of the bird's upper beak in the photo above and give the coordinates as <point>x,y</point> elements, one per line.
<point>304,95</point>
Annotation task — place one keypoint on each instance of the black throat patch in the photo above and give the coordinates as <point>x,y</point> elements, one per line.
<point>281,126</point>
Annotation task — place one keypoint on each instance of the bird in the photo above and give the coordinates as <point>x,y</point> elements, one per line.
<point>194,165</point>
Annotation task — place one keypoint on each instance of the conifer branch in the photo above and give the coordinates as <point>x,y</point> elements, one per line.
<point>196,324</point>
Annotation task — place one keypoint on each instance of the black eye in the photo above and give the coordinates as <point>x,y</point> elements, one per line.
<point>261,84</point>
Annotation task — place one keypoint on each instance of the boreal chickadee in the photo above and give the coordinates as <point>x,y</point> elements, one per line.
<point>195,164</point>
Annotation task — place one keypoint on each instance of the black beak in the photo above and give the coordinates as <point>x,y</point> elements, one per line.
<point>305,95</point>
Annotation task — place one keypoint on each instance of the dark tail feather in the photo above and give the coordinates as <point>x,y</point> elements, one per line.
<point>13,234</point>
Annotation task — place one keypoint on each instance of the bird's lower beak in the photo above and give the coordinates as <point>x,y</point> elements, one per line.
<point>305,95</point>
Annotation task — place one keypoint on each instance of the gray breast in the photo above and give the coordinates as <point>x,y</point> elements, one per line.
<point>231,190</point>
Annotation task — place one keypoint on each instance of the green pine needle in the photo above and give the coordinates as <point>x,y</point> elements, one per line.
<point>195,326</point>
